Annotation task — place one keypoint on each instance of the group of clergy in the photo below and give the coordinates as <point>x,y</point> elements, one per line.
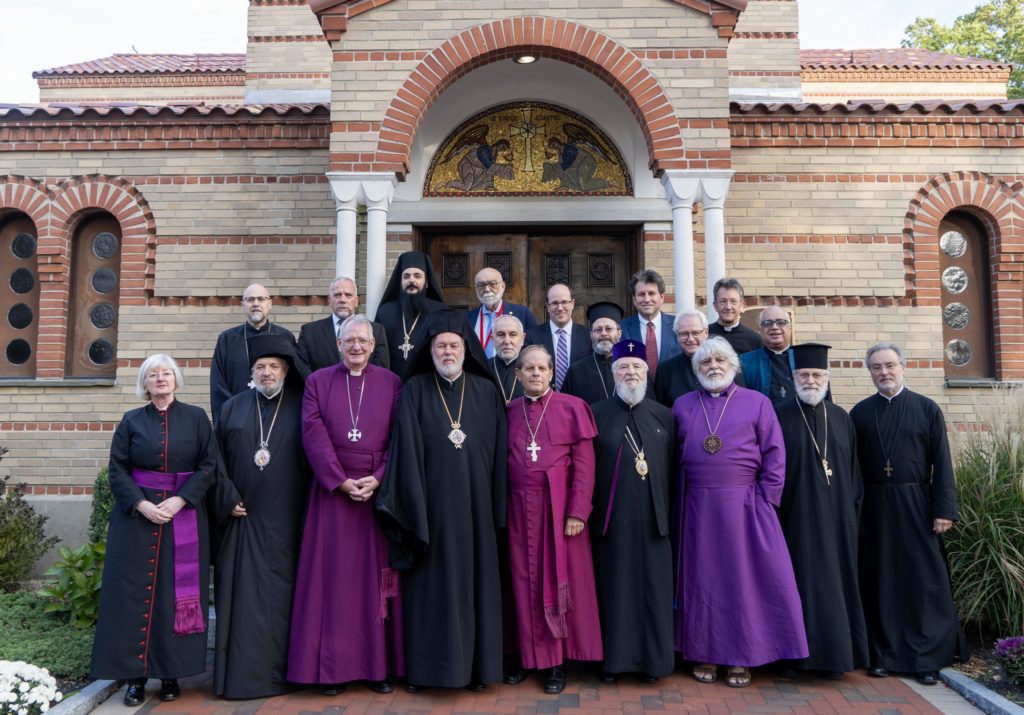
<point>460,498</point>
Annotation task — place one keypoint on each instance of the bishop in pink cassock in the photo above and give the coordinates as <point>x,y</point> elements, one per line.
<point>549,502</point>
<point>347,620</point>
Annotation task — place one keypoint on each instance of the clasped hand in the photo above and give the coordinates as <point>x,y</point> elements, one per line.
<point>360,489</point>
<point>573,526</point>
<point>160,513</point>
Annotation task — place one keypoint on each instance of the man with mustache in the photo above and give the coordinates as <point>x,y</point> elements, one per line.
<point>819,514</point>
<point>318,344</point>
<point>769,369</point>
<point>590,378</point>
<point>411,294</point>
<point>490,290</point>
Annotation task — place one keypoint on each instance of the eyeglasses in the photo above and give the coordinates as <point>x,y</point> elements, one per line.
<point>779,323</point>
<point>687,334</point>
<point>256,299</point>
<point>816,375</point>
<point>607,329</point>
<point>484,285</point>
<point>352,342</point>
<point>729,301</point>
<point>560,304</point>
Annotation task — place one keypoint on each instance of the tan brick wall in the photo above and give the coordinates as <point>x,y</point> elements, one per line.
<point>764,54</point>
<point>841,92</point>
<point>286,49</point>
<point>218,94</point>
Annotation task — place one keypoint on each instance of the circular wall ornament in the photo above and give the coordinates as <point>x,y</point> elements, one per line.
<point>958,352</point>
<point>22,281</point>
<point>104,245</point>
<point>103,315</point>
<point>18,352</point>
<point>104,280</point>
<point>101,351</point>
<point>954,279</point>
<point>956,315</point>
<point>953,244</point>
<point>19,316</point>
<point>24,245</point>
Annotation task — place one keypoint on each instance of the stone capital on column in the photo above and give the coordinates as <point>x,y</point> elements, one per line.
<point>681,187</point>
<point>714,187</point>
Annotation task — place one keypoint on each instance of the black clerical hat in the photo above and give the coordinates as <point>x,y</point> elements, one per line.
<point>812,356</point>
<point>628,348</point>
<point>450,321</point>
<point>282,346</point>
<point>412,259</point>
<point>604,309</point>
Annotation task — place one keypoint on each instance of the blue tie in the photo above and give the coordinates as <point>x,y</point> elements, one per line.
<point>561,359</point>
<point>489,349</point>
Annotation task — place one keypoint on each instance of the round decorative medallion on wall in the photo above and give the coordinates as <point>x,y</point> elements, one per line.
<point>103,315</point>
<point>958,352</point>
<point>954,279</point>
<point>104,280</point>
<point>18,352</point>
<point>105,245</point>
<point>19,316</point>
<point>956,315</point>
<point>24,245</point>
<point>22,281</point>
<point>101,351</point>
<point>953,244</point>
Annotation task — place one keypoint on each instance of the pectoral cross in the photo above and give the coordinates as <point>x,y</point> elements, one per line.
<point>354,435</point>
<point>888,468</point>
<point>528,131</point>
<point>405,348</point>
<point>533,449</point>
<point>828,471</point>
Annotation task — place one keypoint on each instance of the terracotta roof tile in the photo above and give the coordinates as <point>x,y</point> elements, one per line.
<point>894,58</point>
<point>995,106</point>
<point>150,64</point>
<point>15,112</point>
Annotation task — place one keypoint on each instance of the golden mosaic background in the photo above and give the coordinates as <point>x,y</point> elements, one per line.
<point>527,149</point>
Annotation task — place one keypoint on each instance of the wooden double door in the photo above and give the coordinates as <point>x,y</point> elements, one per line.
<point>596,265</point>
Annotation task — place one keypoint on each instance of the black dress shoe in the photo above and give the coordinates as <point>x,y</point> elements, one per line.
<point>515,676</point>
<point>413,688</point>
<point>929,678</point>
<point>169,689</point>
<point>136,693</point>
<point>476,687</point>
<point>555,682</point>
<point>649,679</point>
<point>381,686</point>
<point>334,689</point>
<point>608,678</point>
<point>833,675</point>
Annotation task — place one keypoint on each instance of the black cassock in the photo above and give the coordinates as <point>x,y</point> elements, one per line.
<point>820,519</point>
<point>229,370</point>
<point>390,316</point>
<point>441,507</point>
<point>258,554</point>
<point>904,576</point>
<point>630,535</point>
<point>134,636</point>
<point>676,377</point>
<point>505,374</point>
<point>590,379</point>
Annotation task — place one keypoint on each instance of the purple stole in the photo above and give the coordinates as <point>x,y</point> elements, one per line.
<point>188,616</point>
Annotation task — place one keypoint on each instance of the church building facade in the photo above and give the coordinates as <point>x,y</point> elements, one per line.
<point>875,194</point>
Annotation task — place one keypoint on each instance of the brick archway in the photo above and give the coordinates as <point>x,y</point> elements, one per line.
<point>31,197</point>
<point>543,37</point>
<point>1000,209</point>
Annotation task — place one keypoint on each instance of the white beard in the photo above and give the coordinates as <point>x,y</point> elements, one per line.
<point>716,385</point>
<point>632,396</point>
<point>449,373</point>
<point>811,395</point>
<point>270,392</point>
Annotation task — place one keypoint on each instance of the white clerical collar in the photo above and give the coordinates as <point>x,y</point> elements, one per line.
<point>890,399</point>
<point>538,398</point>
<point>454,379</point>
<point>729,328</point>
<point>777,352</point>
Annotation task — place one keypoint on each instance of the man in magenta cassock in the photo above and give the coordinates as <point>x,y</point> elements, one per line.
<point>551,484</point>
<point>347,620</point>
<point>736,596</point>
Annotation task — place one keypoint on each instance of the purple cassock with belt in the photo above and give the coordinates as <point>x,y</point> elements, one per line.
<point>552,574</point>
<point>736,598</point>
<point>347,620</point>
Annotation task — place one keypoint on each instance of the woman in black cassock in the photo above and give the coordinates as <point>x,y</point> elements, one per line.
<point>154,599</point>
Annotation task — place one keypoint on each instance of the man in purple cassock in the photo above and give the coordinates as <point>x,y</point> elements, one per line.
<point>551,483</point>
<point>347,620</point>
<point>737,603</point>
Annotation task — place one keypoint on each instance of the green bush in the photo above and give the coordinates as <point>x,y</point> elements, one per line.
<point>30,634</point>
<point>75,581</point>
<point>22,536</point>
<point>986,547</point>
<point>102,505</point>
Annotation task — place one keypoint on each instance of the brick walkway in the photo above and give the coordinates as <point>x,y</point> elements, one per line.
<point>768,693</point>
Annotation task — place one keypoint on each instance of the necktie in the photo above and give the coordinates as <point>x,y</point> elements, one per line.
<point>652,349</point>
<point>488,324</point>
<point>337,327</point>
<point>561,359</point>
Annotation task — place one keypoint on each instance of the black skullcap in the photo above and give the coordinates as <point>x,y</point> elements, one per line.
<point>812,356</point>
<point>604,309</point>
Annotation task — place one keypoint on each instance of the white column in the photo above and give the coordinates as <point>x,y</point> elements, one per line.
<point>681,189</point>
<point>378,190</point>
<point>346,197</point>
<point>713,193</point>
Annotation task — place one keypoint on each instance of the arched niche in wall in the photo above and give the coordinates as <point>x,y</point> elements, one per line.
<point>95,287</point>
<point>964,269</point>
<point>19,295</point>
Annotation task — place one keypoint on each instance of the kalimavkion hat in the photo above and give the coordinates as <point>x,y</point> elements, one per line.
<point>810,355</point>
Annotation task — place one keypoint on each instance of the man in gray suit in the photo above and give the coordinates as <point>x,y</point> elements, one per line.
<point>318,340</point>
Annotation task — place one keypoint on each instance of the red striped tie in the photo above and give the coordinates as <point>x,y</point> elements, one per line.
<point>652,350</point>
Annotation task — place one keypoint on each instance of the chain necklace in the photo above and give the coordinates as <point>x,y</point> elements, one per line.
<point>895,437</point>
<point>533,447</point>
<point>713,443</point>
<point>354,435</point>
<point>639,461</point>
<point>262,456</point>
<point>407,346</point>
<point>507,396</point>
<point>822,456</point>
<point>456,436</point>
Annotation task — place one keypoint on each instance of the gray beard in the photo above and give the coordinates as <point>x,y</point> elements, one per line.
<point>811,397</point>
<point>603,348</point>
<point>716,385</point>
<point>632,396</point>
<point>448,373</point>
<point>270,392</point>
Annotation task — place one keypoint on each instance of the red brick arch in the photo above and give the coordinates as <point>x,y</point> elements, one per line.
<point>31,197</point>
<point>999,207</point>
<point>543,37</point>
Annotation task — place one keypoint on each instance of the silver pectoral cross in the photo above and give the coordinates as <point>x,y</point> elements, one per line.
<point>405,348</point>
<point>828,471</point>
<point>533,449</point>
<point>354,435</point>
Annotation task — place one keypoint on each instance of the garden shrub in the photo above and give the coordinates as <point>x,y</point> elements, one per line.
<point>74,584</point>
<point>102,505</point>
<point>22,536</point>
<point>1011,657</point>
<point>30,634</point>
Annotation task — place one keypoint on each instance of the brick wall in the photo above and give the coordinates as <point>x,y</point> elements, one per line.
<point>286,49</point>
<point>764,53</point>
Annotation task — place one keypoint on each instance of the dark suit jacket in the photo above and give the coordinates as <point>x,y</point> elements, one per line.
<point>524,314</point>
<point>668,346</point>
<point>318,345</point>
<point>757,369</point>
<point>579,340</point>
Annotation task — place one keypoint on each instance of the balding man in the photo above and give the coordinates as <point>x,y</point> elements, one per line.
<point>318,340</point>
<point>508,336</point>
<point>490,290</point>
<point>769,369</point>
<point>565,340</point>
<point>229,370</point>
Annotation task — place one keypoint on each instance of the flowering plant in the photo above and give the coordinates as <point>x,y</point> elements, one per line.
<point>1011,656</point>
<point>25,689</point>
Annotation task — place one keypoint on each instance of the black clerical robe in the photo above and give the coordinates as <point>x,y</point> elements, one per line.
<point>441,507</point>
<point>229,371</point>
<point>134,633</point>
<point>740,337</point>
<point>904,576</point>
<point>820,516</point>
<point>390,316</point>
<point>590,379</point>
<point>258,554</point>
<point>630,535</point>
<point>508,383</point>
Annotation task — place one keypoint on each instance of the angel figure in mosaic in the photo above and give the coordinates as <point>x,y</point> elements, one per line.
<point>575,162</point>
<point>479,164</point>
